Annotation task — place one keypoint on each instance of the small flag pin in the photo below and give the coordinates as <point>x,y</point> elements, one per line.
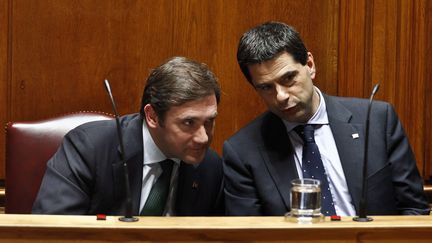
<point>195,185</point>
<point>355,135</point>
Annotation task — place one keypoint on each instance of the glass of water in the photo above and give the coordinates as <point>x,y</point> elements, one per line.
<point>305,201</point>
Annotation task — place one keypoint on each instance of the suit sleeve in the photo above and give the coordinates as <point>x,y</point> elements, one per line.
<point>240,193</point>
<point>66,185</point>
<point>410,198</point>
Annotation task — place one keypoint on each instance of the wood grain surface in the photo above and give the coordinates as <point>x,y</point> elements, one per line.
<point>38,228</point>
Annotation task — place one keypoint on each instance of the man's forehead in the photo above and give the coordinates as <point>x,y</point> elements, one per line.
<point>273,73</point>
<point>197,114</point>
<point>202,108</point>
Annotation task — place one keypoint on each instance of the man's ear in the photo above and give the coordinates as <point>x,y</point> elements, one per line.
<point>311,64</point>
<point>151,116</point>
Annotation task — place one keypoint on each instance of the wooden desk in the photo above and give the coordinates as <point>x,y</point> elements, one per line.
<point>36,228</point>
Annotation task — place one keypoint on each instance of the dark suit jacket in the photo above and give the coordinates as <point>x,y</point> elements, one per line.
<point>259,163</point>
<point>85,176</point>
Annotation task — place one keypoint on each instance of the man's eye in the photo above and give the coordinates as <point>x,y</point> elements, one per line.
<point>209,122</point>
<point>188,122</point>
<point>264,87</point>
<point>289,80</point>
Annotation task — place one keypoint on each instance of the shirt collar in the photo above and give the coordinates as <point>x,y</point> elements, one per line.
<point>152,154</point>
<point>319,118</point>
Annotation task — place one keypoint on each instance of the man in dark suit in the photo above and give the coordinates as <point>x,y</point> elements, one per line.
<point>169,139</point>
<point>262,159</point>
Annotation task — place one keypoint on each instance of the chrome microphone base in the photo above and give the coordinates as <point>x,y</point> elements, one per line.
<point>362,219</point>
<point>128,219</point>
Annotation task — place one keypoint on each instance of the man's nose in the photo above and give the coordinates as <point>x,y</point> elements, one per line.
<point>200,135</point>
<point>282,93</point>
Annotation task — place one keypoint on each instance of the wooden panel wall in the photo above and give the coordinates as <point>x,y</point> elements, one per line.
<point>60,51</point>
<point>428,99</point>
<point>389,42</point>
<point>4,17</point>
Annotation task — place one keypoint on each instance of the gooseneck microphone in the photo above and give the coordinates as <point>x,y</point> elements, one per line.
<point>362,217</point>
<point>128,215</point>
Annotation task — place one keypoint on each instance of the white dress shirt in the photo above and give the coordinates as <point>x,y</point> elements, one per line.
<point>329,156</point>
<point>152,170</point>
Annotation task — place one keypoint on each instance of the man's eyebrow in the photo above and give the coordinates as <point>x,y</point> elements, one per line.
<point>214,114</point>
<point>198,117</point>
<point>187,118</point>
<point>289,74</point>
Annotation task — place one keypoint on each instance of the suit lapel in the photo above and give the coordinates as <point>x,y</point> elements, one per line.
<point>133,145</point>
<point>187,202</point>
<point>277,154</point>
<point>350,148</point>
<point>277,151</point>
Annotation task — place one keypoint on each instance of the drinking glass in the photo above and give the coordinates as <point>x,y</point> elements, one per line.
<point>305,201</point>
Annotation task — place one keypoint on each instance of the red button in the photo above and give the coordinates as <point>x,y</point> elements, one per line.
<point>335,218</point>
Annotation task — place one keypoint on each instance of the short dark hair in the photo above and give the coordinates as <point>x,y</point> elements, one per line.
<point>265,41</point>
<point>176,82</point>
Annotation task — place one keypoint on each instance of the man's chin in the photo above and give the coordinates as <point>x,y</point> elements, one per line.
<point>294,117</point>
<point>194,159</point>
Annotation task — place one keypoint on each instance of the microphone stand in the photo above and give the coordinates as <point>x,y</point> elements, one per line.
<point>362,217</point>
<point>128,216</point>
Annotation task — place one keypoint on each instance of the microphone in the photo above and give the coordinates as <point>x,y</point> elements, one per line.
<point>362,217</point>
<point>128,216</point>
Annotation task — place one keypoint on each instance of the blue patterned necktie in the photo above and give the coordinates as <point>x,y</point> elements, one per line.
<point>312,167</point>
<point>156,200</point>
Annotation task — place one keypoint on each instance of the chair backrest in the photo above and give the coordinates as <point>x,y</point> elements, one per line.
<point>29,145</point>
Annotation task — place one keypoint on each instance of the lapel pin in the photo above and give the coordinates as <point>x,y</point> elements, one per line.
<point>355,135</point>
<point>194,185</point>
